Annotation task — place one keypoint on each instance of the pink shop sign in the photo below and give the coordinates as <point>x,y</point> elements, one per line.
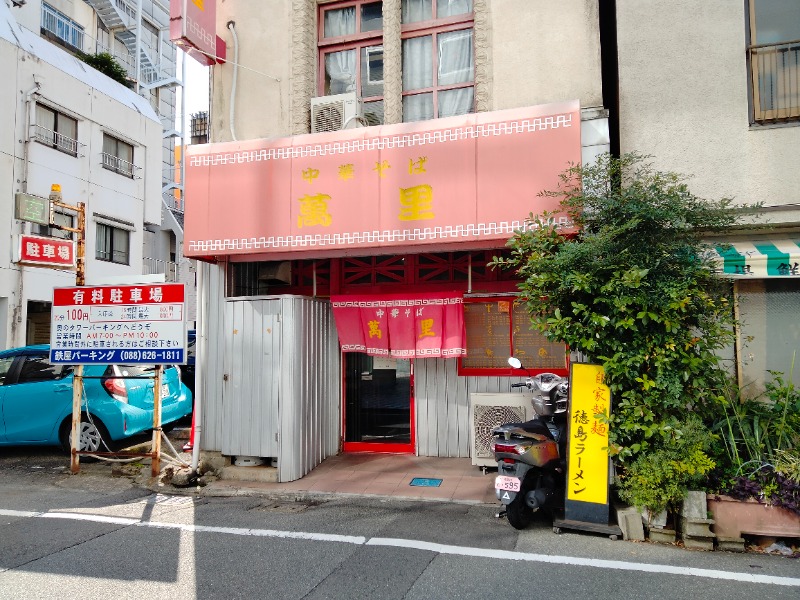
<point>459,182</point>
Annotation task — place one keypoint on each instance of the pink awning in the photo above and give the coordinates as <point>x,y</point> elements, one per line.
<point>425,325</point>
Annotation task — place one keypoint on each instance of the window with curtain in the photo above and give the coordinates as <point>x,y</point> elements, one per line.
<point>112,244</point>
<point>118,156</point>
<point>774,57</point>
<point>438,59</point>
<point>351,53</point>
<point>55,129</point>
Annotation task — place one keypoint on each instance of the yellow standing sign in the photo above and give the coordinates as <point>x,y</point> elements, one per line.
<point>588,464</point>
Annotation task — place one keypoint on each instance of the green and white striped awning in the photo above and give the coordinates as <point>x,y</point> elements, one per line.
<point>758,259</point>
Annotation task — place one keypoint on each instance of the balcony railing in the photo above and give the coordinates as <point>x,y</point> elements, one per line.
<point>63,28</point>
<point>55,140</point>
<point>116,164</point>
<point>155,266</point>
<point>775,70</point>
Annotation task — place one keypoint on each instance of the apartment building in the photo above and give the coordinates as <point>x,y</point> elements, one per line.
<point>110,26</point>
<point>69,125</point>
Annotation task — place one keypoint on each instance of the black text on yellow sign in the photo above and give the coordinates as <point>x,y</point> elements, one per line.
<point>588,470</point>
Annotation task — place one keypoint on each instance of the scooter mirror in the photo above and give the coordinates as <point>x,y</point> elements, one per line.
<point>514,362</point>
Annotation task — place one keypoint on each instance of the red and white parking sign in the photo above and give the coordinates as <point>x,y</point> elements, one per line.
<point>130,324</point>
<point>52,252</point>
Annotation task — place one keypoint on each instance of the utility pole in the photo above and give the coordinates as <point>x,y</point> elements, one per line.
<point>80,279</point>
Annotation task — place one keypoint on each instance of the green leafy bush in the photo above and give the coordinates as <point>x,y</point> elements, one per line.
<point>759,456</point>
<point>633,289</point>
<point>108,65</point>
<point>659,478</point>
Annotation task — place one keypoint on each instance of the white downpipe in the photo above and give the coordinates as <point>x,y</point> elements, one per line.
<point>200,357</point>
<point>183,132</point>
<point>232,115</point>
<point>138,56</point>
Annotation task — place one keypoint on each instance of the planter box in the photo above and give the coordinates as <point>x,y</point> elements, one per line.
<point>734,517</point>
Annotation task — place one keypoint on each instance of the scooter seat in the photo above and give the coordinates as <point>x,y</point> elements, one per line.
<point>534,427</point>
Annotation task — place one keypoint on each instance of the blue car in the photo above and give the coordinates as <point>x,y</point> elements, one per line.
<point>36,401</point>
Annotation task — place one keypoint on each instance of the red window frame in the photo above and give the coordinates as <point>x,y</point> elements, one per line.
<point>506,370</point>
<point>357,41</point>
<point>434,27</point>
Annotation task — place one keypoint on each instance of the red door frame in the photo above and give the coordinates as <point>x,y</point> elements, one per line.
<point>380,447</point>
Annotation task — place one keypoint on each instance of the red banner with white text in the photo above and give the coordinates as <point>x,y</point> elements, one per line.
<point>404,326</point>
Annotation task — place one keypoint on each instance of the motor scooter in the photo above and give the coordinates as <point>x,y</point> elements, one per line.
<point>531,456</point>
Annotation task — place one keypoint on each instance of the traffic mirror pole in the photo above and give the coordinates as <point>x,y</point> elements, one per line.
<point>80,280</point>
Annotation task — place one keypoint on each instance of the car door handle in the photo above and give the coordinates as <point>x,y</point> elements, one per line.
<point>62,387</point>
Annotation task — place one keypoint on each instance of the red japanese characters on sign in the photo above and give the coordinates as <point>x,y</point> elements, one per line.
<point>412,326</point>
<point>47,251</point>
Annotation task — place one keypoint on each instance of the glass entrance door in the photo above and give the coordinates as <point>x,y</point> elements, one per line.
<point>379,412</point>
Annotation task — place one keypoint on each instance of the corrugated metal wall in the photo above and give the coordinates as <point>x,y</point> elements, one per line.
<point>211,334</point>
<point>442,405</point>
<point>310,421</point>
<point>270,382</point>
<point>252,367</point>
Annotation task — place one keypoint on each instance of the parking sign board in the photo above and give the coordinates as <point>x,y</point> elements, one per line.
<point>129,324</point>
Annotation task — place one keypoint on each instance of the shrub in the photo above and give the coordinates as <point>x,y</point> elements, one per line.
<point>108,65</point>
<point>633,289</point>
<point>659,478</point>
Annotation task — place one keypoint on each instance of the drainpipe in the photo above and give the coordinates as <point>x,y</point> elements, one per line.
<point>26,137</point>
<point>138,44</point>
<point>232,113</point>
<point>198,365</point>
<point>17,310</point>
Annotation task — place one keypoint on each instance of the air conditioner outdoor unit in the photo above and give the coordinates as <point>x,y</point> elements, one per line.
<point>487,411</point>
<point>332,113</point>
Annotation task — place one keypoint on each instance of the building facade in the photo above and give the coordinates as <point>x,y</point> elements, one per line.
<point>327,89</point>
<point>70,125</point>
<point>103,26</point>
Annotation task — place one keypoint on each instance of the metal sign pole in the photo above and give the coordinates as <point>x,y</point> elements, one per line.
<point>155,467</point>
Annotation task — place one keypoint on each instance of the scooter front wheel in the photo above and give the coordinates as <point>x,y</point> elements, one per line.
<point>518,513</point>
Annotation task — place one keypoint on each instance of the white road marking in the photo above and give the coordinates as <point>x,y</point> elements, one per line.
<point>418,545</point>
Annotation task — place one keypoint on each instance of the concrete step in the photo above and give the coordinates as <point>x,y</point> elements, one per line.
<point>259,473</point>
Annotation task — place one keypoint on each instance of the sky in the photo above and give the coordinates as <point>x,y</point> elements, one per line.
<point>196,88</point>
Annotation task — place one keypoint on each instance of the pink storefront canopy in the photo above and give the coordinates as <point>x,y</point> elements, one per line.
<point>403,326</point>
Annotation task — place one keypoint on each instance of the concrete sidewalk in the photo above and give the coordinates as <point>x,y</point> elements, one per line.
<point>389,475</point>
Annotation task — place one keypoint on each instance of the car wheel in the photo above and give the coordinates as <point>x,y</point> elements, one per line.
<point>92,435</point>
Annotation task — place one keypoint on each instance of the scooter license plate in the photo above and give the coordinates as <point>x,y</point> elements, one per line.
<point>511,484</point>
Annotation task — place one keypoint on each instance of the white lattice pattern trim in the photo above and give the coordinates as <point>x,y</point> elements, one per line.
<point>195,27</point>
<point>420,353</point>
<point>371,238</point>
<point>396,302</point>
<point>386,142</point>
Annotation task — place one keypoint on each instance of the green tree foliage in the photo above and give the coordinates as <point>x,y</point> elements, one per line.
<point>633,289</point>
<point>108,65</point>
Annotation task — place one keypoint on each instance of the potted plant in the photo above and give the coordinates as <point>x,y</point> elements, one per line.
<point>761,493</point>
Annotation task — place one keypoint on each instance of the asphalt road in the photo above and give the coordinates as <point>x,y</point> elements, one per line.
<point>96,536</point>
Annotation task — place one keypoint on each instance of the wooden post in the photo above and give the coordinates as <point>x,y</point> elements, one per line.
<point>77,398</point>
<point>77,379</point>
<point>155,468</point>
